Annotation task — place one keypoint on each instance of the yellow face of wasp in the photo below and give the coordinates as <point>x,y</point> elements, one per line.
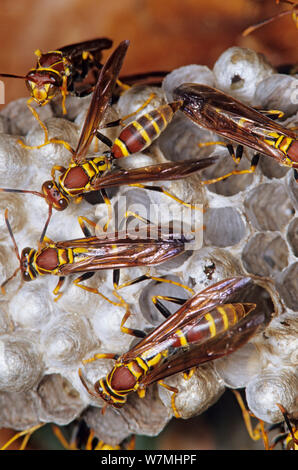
<point>42,94</point>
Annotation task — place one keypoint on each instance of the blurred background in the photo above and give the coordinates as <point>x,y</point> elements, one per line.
<point>164,35</point>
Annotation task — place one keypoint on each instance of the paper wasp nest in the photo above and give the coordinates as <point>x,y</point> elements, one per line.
<point>251,226</point>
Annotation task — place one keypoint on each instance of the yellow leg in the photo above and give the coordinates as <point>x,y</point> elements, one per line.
<point>234,172</point>
<point>110,209</point>
<point>47,141</point>
<point>89,440</point>
<point>252,169</point>
<point>166,193</point>
<point>27,433</point>
<point>96,291</point>
<point>158,279</point>
<point>189,374</point>
<point>255,433</point>
<point>64,93</point>
<point>141,392</point>
<point>140,108</point>
<point>58,433</point>
<point>82,221</point>
<point>100,356</point>
<point>57,289</point>
<point>207,144</point>
<point>123,86</point>
<point>174,391</point>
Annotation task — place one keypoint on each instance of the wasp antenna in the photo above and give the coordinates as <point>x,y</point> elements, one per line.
<point>11,75</point>
<point>9,279</point>
<point>11,235</point>
<point>43,233</point>
<point>252,28</point>
<point>15,249</point>
<point>93,394</point>
<point>9,190</point>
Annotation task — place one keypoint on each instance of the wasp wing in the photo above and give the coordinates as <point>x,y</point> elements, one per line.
<point>224,344</point>
<point>223,114</point>
<point>196,307</point>
<point>148,245</point>
<point>122,255</point>
<point>161,172</point>
<point>93,45</point>
<point>100,100</point>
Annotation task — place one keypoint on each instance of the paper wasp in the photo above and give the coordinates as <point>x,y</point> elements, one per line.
<point>148,246</point>
<point>207,326</point>
<point>228,117</point>
<point>293,11</point>
<point>86,174</point>
<point>63,71</point>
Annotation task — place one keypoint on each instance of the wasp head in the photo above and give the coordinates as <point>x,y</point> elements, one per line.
<point>27,270</point>
<point>110,396</point>
<point>43,85</point>
<point>54,196</point>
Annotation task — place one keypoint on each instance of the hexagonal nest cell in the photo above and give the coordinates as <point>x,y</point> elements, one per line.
<point>248,228</point>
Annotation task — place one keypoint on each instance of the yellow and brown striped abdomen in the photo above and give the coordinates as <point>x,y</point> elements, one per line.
<point>213,323</point>
<point>139,134</point>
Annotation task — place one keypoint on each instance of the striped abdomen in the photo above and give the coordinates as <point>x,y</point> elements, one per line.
<point>139,134</point>
<point>287,145</point>
<point>215,322</point>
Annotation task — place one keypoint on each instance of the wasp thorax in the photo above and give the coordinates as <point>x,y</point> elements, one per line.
<point>122,379</point>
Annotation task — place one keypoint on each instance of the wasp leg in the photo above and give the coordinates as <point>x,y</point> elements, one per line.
<point>88,275</point>
<point>55,168</point>
<point>144,277</point>
<point>130,331</point>
<point>161,308</point>
<point>82,221</point>
<point>166,193</point>
<point>174,390</point>
<point>271,113</point>
<point>189,373</point>
<point>109,205</point>
<point>255,433</point>
<point>47,141</point>
<point>134,215</point>
<point>104,139</point>
<point>124,329</point>
<point>286,418</point>
<point>27,433</point>
<point>101,356</point>
<point>58,287</point>
<point>64,93</point>
<point>96,226</point>
<point>123,87</point>
<point>236,157</point>
<point>252,169</point>
<point>120,122</point>
<point>58,433</point>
